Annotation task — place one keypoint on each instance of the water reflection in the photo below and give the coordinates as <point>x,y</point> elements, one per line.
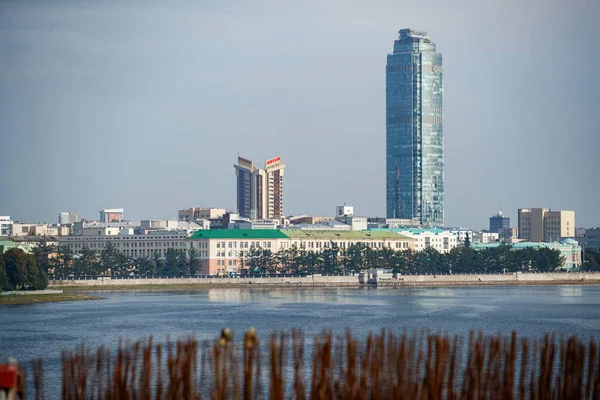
<point>276,296</point>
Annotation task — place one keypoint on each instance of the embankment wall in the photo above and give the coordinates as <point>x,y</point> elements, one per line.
<point>318,280</point>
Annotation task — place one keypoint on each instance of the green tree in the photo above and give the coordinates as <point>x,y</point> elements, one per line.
<point>171,266</point>
<point>159,264</point>
<point>108,259</point>
<point>15,264</point>
<point>4,284</point>
<point>194,262</point>
<point>182,263</point>
<point>63,261</point>
<point>467,240</point>
<point>42,256</point>
<point>87,262</point>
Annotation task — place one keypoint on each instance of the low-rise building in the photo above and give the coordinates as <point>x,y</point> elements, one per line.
<point>197,213</point>
<point>125,240</point>
<point>485,237</point>
<point>569,249</point>
<point>225,251</point>
<point>434,238</point>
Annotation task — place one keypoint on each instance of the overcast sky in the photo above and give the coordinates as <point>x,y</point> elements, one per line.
<point>145,105</point>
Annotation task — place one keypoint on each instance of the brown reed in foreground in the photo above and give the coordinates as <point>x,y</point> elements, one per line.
<point>384,366</point>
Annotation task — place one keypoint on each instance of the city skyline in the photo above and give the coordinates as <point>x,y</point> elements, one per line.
<point>117,105</point>
<point>415,129</point>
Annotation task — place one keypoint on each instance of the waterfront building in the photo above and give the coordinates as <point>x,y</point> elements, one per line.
<point>127,241</point>
<point>197,213</point>
<point>65,218</point>
<point>226,251</point>
<point>260,191</point>
<point>430,238</point>
<point>498,222</point>
<point>544,225</point>
<point>111,215</point>
<point>569,250</point>
<point>414,130</point>
<point>6,225</point>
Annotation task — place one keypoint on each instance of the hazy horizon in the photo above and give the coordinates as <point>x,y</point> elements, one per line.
<point>145,105</point>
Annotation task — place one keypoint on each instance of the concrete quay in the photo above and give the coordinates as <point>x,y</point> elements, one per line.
<point>339,280</point>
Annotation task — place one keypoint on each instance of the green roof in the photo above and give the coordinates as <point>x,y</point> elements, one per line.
<point>337,235</point>
<point>238,234</point>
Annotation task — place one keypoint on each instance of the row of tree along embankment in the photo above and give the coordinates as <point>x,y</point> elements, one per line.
<point>517,278</point>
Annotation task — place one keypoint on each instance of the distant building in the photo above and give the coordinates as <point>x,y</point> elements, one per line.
<point>544,225</point>
<point>111,215</point>
<point>431,238</point>
<point>508,234</point>
<point>498,222</point>
<point>196,213</point>
<point>485,237</point>
<point>569,249</point>
<point>592,239</point>
<point>43,229</point>
<point>65,218</point>
<point>392,223</point>
<point>260,191</point>
<point>6,225</point>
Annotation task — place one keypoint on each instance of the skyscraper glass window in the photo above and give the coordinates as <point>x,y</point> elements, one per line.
<point>414,130</point>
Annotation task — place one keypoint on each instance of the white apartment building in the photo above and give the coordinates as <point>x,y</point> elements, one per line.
<point>424,238</point>
<point>6,225</point>
<point>544,225</point>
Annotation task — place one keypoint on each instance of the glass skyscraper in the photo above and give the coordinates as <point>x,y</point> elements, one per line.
<point>414,130</point>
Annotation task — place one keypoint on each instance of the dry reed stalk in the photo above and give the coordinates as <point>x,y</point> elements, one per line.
<point>384,366</point>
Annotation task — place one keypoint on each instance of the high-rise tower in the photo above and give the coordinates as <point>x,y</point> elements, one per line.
<point>260,191</point>
<point>414,130</point>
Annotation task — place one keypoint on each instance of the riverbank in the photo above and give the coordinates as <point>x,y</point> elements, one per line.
<point>14,299</point>
<point>192,283</point>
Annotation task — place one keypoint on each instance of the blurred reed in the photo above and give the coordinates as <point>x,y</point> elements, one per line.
<point>419,365</point>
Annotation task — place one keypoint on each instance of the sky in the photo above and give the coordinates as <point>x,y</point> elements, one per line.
<point>145,105</point>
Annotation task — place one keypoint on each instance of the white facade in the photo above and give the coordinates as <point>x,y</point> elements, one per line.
<point>134,246</point>
<point>485,237</point>
<point>65,218</point>
<point>6,225</point>
<point>259,224</point>
<point>440,240</point>
<point>344,211</point>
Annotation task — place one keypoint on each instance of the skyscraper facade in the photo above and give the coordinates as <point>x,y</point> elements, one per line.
<point>260,191</point>
<point>414,130</point>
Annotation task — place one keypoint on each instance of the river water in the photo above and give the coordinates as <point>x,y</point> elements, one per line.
<point>43,330</point>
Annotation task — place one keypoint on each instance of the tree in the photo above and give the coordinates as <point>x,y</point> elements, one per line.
<point>63,261</point>
<point>143,266</point>
<point>42,256</point>
<point>87,263</point>
<point>182,263</point>
<point>467,240</point>
<point>171,265</point>
<point>4,285</point>
<point>159,264</point>
<point>194,261</point>
<point>15,264</point>
<point>108,259</point>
